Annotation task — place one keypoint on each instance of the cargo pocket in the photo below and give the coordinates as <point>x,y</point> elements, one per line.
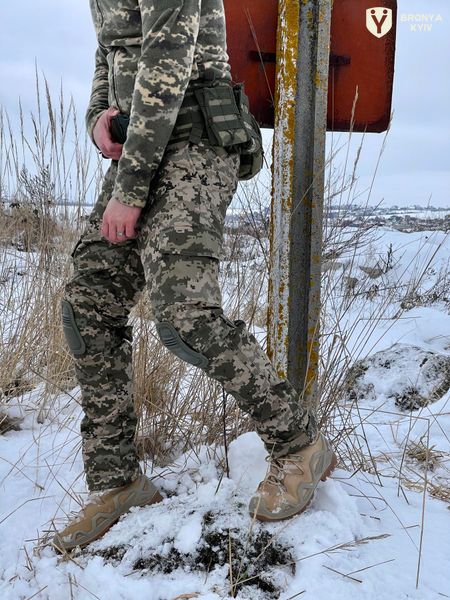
<point>188,269</point>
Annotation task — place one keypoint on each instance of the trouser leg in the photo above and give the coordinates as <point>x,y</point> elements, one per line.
<point>235,359</point>
<point>181,258</point>
<point>106,283</point>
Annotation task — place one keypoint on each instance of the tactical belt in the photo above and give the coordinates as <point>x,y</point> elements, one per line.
<point>189,126</point>
<point>219,114</point>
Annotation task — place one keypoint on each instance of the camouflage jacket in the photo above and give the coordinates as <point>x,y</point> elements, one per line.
<point>149,53</point>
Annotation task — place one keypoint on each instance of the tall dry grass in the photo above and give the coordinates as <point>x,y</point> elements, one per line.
<point>49,175</point>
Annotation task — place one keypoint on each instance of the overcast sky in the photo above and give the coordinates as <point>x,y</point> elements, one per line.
<point>59,36</point>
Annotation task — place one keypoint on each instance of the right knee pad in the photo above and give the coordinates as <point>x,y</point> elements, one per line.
<point>71,331</point>
<point>172,340</point>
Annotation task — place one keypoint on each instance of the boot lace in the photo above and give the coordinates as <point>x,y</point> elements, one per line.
<point>277,466</point>
<point>77,515</point>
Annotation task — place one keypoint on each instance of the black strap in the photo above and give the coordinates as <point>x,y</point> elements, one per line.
<point>198,126</point>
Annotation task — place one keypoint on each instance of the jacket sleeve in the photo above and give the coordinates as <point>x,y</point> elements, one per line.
<point>169,34</point>
<point>99,95</point>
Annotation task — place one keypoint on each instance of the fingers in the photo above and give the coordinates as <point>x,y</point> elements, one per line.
<point>130,231</point>
<point>119,222</point>
<point>111,149</point>
<point>114,233</point>
<point>105,229</point>
<point>102,135</point>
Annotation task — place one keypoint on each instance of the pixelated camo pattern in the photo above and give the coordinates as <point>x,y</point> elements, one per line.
<point>177,256</point>
<point>149,53</point>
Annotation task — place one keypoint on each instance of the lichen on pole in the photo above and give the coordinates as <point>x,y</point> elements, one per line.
<point>303,42</point>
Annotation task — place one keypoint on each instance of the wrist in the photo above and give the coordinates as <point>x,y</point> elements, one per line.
<point>128,200</point>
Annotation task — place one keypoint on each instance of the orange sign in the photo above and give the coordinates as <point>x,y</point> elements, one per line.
<point>361,56</point>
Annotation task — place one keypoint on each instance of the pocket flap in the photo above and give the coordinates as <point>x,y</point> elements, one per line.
<point>191,241</point>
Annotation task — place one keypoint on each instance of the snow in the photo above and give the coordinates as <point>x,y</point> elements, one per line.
<point>348,509</point>
<point>366,533</point>
<point>410,375</point>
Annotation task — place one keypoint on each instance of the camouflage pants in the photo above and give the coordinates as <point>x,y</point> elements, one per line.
<point>177,256</point>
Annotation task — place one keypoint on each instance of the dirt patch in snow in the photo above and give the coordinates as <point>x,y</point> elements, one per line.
<point>251,559</point>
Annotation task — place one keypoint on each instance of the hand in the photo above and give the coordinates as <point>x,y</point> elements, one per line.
<point>102,135</point>
<point>118,219</point>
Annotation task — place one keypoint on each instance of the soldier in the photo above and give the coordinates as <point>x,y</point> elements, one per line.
<point>158,222</point>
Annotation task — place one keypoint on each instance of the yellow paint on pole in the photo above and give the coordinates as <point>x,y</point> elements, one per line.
<point>282,180</point>
<point>295,234</point>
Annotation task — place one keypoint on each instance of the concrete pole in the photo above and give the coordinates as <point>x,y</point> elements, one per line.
<point>303,47</point>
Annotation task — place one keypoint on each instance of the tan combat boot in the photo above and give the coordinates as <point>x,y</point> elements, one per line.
<point>289,485</point>
<point>103,511</point>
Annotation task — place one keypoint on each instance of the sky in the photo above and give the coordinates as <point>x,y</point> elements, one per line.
<point>59,38</point>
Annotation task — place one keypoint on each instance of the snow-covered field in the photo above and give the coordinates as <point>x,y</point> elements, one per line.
<point>382,533</point>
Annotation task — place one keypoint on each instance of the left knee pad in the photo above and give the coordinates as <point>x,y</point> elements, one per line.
<point>71,331</point>
<point>173,341</point>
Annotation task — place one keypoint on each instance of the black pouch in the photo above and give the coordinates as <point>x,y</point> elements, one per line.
<point>119,126</point>
<point>223,121</point>
<point>229,123</point>
<point>251,152</point>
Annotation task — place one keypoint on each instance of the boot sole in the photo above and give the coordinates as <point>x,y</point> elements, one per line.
<point>326,474</point>
<point>64,550</point>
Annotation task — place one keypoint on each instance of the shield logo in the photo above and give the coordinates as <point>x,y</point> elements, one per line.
<point>379,20</point>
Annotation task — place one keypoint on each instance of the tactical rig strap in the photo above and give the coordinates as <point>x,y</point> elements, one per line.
<point>219,113</point>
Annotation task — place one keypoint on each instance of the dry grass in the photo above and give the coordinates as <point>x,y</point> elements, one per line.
<point>8,423</point>
<point>425,456</point>
<point>46,183</point>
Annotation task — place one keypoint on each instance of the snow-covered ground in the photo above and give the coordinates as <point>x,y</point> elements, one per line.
<point>374,533</point>
<point>361,535</point>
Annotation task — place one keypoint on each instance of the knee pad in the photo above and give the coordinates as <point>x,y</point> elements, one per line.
<point>71,331</point>
<point>173,341</point>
